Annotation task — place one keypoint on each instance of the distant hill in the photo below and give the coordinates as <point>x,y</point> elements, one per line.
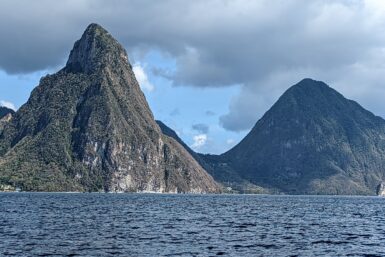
<point>312,141</point>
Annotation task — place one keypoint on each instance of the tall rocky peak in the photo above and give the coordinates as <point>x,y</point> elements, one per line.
<point>313,140</point>
<point>89,127</point>
<point>95,50</point>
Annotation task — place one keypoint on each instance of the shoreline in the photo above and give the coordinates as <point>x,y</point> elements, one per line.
<point>191,194</point>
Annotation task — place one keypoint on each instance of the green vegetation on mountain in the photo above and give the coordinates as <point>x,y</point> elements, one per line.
<point>312,141</point>
<point>89,128</point>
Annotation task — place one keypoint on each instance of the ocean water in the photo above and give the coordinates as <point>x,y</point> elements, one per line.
<point>56,224</point>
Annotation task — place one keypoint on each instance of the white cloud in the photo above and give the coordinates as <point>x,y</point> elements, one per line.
<point>8,105</point>
<point>142,78</point>
<point>230,141</point>
<point>199,141</point>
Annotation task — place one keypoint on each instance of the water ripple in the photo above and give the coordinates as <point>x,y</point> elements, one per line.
<point>43,224</point>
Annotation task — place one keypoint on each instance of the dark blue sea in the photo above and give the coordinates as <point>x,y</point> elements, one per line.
<point>60,224</point>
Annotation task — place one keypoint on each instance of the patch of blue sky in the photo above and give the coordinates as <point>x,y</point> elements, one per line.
<point>180,107</point>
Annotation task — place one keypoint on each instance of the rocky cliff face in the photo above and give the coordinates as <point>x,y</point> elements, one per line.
<point>4,111</point>
<point>89,127</point>
<point>6,115</point>
<point>381,189</point>
<point>313,141</point>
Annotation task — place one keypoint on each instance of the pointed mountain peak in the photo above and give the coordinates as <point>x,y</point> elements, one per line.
<point>94,50</point>
<point>94,28</point>
<point>311,92</point>
<point>310,84</point>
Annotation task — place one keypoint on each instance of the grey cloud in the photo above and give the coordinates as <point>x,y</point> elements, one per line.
<point>257,97</point>
<point>201,128</point>
<point>35,36</point>
<point>247,107</point>
<point>357,82</point>
<point>216,43</point>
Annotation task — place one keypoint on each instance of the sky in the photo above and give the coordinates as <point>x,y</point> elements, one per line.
<point>209,68</point>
